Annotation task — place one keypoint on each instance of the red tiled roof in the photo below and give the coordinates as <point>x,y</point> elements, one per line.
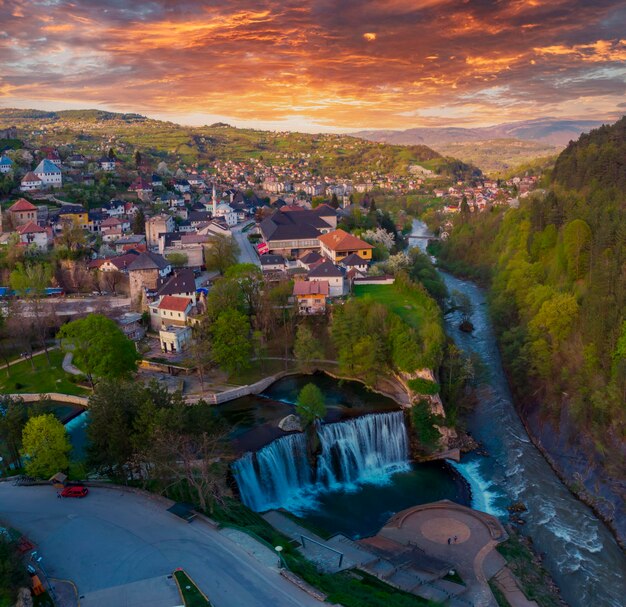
<point>22,205</point>
<point>304,287</point>
<point>176,304</point>
<point>30,228</point>
<point>30,176</point>
<point>340,240</point>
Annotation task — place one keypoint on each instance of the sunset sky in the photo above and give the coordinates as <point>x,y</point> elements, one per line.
<point>318,65</point>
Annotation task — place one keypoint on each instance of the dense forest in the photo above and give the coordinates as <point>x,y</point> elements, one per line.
<point>556,268</point>
<point>597,160</point>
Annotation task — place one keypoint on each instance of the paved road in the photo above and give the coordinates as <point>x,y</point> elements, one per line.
<point>247,253</point>
<point>113,539</point>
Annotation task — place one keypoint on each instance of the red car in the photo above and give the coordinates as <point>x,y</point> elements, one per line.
<point>75,491</point>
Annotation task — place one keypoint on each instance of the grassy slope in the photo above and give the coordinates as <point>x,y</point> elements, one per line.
<point>45,378</point>
<point>89,132</point>
<point>411,307</point>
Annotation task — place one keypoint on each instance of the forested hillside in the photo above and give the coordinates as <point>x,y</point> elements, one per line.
<point>557,271</point>
<point>597,160</point>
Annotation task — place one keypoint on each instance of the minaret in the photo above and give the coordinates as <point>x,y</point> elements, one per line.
<point>214,198</point>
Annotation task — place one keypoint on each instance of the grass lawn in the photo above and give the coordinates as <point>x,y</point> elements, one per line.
<point>190,593</point>
<point>45,378</point>
<point>412,307</point>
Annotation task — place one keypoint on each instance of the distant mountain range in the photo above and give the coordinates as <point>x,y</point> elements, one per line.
<point>544,130</point>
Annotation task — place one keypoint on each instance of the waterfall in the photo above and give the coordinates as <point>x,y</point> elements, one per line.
<point>366,449</point>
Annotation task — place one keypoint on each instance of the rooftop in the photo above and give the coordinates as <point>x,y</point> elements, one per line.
<point>304,287</point>
<point>175,304</point>
<point>340,240</point>
<point>22,205</point>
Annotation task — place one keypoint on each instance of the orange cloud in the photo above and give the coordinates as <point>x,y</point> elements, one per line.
<point>357,63</point>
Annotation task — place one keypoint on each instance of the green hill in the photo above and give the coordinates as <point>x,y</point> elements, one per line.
<point>92,131</point>
<point>596,160</point>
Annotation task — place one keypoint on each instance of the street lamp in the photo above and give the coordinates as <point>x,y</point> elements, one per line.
<point>38,559</point>
<point>279,549</point>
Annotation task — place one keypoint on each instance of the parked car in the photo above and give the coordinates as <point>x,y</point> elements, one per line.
<point>75,491</point>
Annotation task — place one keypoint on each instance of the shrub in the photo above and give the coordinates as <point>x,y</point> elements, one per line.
<point>423,386</point>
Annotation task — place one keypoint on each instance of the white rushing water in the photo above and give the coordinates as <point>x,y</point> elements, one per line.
<point>367,449</point>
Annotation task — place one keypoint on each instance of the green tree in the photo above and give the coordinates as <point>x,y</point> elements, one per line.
<point>310,405</point>
<point>230,346</point>
<point>307,347</point>
<point>30,281</point>
<point>45,445</point>
<point>13,417</point>
<point>72,236</point>
<point>100,347</point>
<point>139,222</point>
<point>249,279</point>
<point>178,260</point>
<point>220,253</point>
<point>577,244</point>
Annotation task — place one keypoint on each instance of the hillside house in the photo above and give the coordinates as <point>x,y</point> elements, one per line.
<point>22,212</point>
<point>6,165</point>
<point>33,234</point>
<point>49,173</point>
<point>330,273</point>
<point>30,183</point>
<point>339,244</point>
<point>311,296</point>
<point>170,310</point>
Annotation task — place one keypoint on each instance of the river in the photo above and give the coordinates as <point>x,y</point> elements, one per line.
<point>580,552</point>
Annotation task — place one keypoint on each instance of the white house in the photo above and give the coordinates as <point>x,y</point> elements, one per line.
<point>174,339</point>
<point>170,310</point>
<point>6,164</point>
<point>227,213</point>
<point>330,273</point>
<point>49,173</point>
<point>31,233</point>
<point>30,182</point>
<point>107,164</point>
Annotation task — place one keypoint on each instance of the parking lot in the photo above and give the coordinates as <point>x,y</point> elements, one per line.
<point>116,545</point>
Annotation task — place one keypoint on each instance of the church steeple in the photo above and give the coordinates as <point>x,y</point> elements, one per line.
<point>214,199</point>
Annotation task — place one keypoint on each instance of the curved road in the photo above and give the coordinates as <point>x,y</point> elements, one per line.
<point>113,538</point>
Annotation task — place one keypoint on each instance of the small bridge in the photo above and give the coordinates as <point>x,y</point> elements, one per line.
<point>422,237</point>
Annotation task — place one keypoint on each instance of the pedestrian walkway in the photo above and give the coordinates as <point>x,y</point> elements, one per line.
<point>509,586</point>
<point>401,566</point>
<point>332,555</point>
<point>68,366</point>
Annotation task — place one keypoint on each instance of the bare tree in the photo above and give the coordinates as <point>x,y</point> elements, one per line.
<point>173,458</point>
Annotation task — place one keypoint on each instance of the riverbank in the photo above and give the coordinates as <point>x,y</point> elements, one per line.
<point>580,551</point>
<point>570,454</point>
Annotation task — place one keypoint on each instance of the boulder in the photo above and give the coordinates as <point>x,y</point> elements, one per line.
<point>291,423</point>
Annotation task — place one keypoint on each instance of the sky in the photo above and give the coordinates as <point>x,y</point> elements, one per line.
<point>318,65</point>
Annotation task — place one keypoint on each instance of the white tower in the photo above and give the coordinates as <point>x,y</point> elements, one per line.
<point>214,199</point>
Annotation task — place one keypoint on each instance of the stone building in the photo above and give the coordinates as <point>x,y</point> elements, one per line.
<point>146,275</point>
<point>159,224</point>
